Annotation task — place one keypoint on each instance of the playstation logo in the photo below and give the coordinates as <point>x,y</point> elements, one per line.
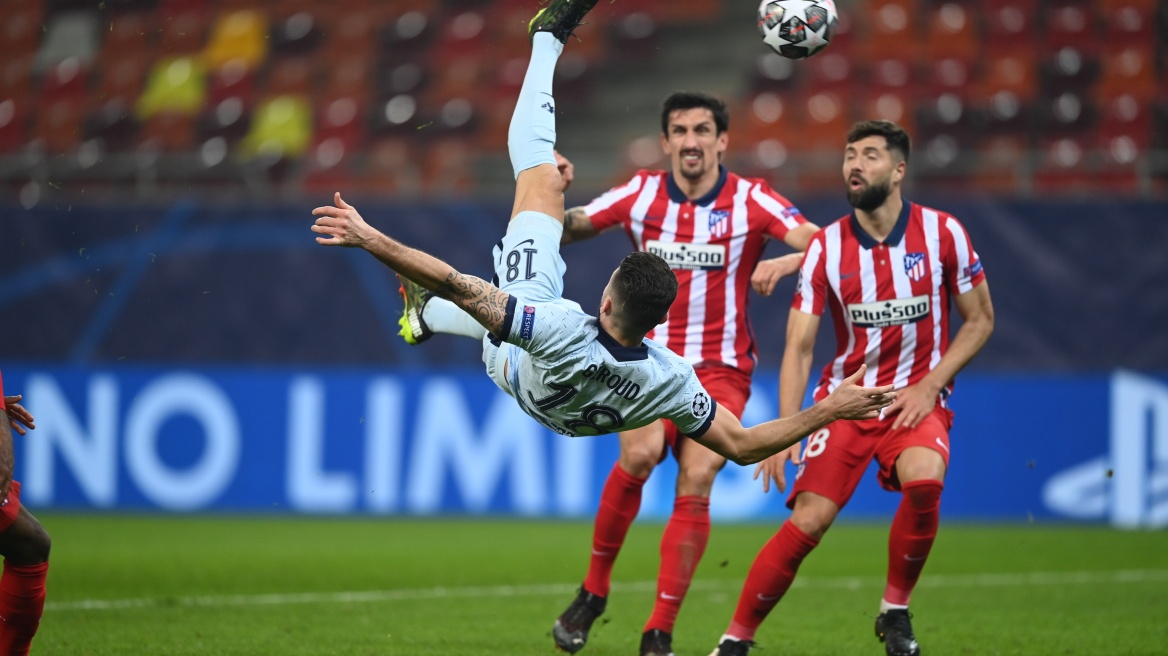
<point>1129,485</point>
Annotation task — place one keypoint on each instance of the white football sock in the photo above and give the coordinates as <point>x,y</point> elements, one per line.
<point>442,316</point>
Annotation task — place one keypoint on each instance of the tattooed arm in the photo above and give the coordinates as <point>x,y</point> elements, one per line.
<point>577,226</point>
<point>343,226</point>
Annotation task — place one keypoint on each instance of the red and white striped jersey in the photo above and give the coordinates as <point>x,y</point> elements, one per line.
<point>712,243</point>
<point>889,300</point>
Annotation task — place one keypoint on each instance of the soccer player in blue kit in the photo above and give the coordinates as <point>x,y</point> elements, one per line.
<point>574,373</point>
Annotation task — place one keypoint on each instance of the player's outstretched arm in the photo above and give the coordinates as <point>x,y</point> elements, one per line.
<point>342,225</point>
<point>728,438</point>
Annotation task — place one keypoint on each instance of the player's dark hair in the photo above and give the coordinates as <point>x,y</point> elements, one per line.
<point>645,286</point>
<point>695,100</point>
<point>893,134</point>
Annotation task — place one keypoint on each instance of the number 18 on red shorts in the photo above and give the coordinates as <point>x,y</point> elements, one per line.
<point>836,456</point>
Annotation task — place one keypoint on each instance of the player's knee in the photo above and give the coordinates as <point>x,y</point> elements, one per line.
<point>697,479</point>
<point>813,519</point>
<point>30,546</point>
<point>639,461</point>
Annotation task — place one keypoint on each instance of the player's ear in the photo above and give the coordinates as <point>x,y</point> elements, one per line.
<point>606,305</point>
<point>665,143</point>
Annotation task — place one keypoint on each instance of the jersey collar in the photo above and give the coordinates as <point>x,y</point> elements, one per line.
<point>618,351</point>
<point>678,196</point>
<point>893,237</point>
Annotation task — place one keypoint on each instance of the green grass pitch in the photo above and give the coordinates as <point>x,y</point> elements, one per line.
<point>261,585</point>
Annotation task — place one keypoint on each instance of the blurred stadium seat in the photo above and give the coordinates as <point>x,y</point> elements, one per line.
<point>977,82</point>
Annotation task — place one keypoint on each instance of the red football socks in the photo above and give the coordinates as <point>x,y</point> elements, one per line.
<point>22,600</point>
<point>619,503</point>
<point>771,574</point>
<point>911,538</point>
<point>682,546</point>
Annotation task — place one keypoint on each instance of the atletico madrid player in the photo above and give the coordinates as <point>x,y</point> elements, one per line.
<point>23,543</point>
<point>888,273</point>
<point>711,226</point>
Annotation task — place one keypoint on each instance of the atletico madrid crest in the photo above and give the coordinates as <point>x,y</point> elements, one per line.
<point>914,266</point>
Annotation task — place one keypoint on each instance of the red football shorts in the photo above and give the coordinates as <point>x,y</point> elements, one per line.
<point>10,507</point>
<point>726,385</point>
<point>836,456</point>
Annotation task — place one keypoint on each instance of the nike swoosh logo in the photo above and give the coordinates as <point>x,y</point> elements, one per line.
<point>669,597</point>
<point>847,275</point>
<point>762,597</point>
<point>942,443</point>
<point>599,553</point>
<point>912,559</point>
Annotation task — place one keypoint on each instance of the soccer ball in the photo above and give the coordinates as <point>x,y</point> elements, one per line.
<point>797,28</point>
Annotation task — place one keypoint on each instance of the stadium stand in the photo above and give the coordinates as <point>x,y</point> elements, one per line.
<point>1007,96</point>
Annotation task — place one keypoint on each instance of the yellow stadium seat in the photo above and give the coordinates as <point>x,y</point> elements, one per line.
<point>281,127</point>
<point>238,35</point>
<point>175,85</point>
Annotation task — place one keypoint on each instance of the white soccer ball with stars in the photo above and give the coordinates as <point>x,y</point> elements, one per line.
<point>797,28</point>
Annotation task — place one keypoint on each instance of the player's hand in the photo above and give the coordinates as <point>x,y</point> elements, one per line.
<point>341,225</point>
<point>913,404</point>
<point>18,417</point>
<point>774,467</point>
<point>768,272</point>
<point>567,171</point>
<point>854,402</point>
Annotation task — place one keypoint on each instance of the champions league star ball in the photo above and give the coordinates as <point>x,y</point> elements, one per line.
<point>797,28</point>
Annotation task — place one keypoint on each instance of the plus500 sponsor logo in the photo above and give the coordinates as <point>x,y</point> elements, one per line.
<point>894,312</point>
<point>688,256</point>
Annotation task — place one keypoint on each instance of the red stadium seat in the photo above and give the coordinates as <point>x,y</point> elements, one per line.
<point>392,170</point>
<point>893,28</point>
<point>463,35</point>
<point>953,33</point>
<point>127,35</point>
<point>948,76</point>
<point>765,116</point>
<point>1125,115</point>
<point>773,72</point>
<point>1009,22</point>
<point>14,118</point>
<point>1130,71</point>
<point>16,76</point>
<point>120,78</point>
<point>449,169</point>
<point>341,118</point>
<point>1130,22</point>
<point>1063,168</point>
<point>1014,72</point>
<point>58,125</point>
<point>1071,25</point>
<point>888,106</point>
<point>1002,165</point>
<point>289,75</point>
<point>232,80</point>
<point>348,76</point>
<point>20,28</point>
<point>329,165</point>
<point>182,34</point>
<point>830,71</point>
<point>169,132</point>
<point>65,80</point>
<point>896,75</point>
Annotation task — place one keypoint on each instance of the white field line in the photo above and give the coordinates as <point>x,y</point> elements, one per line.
<point>989,580</point>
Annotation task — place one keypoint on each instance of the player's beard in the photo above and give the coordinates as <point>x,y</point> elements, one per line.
<point>870,196</point>
<point>692,174</point>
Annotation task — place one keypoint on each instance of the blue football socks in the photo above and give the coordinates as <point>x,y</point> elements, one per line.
<point>532,135</point>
